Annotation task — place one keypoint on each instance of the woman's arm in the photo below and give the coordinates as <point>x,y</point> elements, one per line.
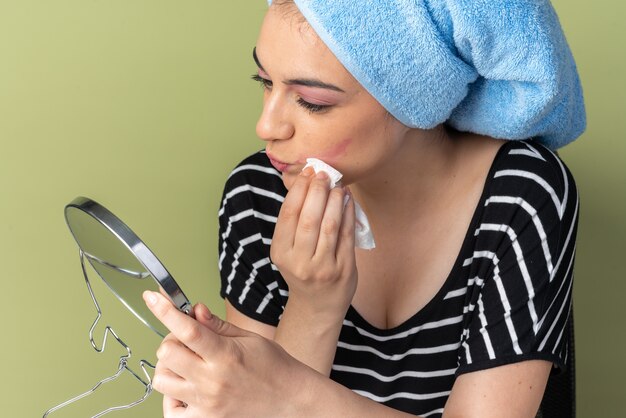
<point>208,367</point>
<point>243,321</point>
<point>313,248</point>
<point>513,390</point>
<point>313,344</point>
<point>516,388</point>
<point>312,245</point>
<point>213,368</point>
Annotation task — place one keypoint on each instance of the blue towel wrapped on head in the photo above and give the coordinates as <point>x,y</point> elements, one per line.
<point>496,67</point>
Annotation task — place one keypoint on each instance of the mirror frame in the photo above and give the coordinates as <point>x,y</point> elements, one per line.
<point>137,247</point>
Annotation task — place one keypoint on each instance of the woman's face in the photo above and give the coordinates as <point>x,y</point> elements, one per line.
<point>312,106</point>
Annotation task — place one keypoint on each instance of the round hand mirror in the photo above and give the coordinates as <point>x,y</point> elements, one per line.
<point>122,260</point>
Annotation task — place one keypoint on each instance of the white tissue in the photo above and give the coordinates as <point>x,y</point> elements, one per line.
<point>363,234</point>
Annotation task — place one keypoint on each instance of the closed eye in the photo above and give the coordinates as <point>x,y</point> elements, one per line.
<point>265,83</point>
<point>311,107</point>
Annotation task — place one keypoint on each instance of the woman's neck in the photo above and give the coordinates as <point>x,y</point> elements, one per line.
<point>414,178</point>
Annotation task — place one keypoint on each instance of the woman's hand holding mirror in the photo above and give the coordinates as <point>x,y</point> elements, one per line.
<point>208,367</point>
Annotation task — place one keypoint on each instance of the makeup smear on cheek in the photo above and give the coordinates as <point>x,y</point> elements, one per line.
<point>333,153</point>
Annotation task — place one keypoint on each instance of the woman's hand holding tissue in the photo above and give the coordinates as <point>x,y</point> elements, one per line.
<point>313,247</point>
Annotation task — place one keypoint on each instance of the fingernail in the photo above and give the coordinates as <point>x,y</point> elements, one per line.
<point>307,172</point>
<point>346,196</point>
<point>321,175</point>
<point>150,297</point>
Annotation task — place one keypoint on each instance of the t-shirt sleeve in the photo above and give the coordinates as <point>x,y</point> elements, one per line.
<point>247,217</point>
<point>522,265</point>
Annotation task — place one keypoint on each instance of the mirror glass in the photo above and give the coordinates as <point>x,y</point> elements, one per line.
<point>122,260</point>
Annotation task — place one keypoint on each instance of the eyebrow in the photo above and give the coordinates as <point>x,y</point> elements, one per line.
<point>256,59</point>
<point>309,82</point>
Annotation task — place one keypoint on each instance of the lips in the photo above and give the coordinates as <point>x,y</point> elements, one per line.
<point>278,164</point>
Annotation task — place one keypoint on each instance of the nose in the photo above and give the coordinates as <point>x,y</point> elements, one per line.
<point>274,122</point>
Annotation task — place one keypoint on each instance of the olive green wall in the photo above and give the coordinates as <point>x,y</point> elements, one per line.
<point>145,106</point>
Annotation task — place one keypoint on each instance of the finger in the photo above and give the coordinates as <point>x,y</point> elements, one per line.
<point>289,213</point>
<point>308,229</point>
<point>175,357</point>
<point>202,314</point>
<point>215,324</point>
<point>164,293</point>
<point>173,408</point>
<point>186,329</point>
<point>170,384</point>
<point>345,244</point>
<point>169,337</point>
<point>331,223</point>
<point>161,372</point>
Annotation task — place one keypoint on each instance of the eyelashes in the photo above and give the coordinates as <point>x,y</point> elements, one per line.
<point>311,107</point>
<point>265,83</point>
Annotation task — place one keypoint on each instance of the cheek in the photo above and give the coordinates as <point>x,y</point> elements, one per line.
<point>335,152</point>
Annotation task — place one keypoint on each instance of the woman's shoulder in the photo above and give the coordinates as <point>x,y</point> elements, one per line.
<point>523,165</point>
<point>530,185</point>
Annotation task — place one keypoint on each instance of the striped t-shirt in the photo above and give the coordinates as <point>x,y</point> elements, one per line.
<point>507,298</point>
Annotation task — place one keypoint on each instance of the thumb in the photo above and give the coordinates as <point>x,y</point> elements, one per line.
<point>215,324</point>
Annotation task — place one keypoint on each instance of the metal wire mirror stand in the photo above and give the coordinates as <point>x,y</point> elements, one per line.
<point>123,362</point>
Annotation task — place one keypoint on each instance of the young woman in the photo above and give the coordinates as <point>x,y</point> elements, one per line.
<point>460,308</point>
